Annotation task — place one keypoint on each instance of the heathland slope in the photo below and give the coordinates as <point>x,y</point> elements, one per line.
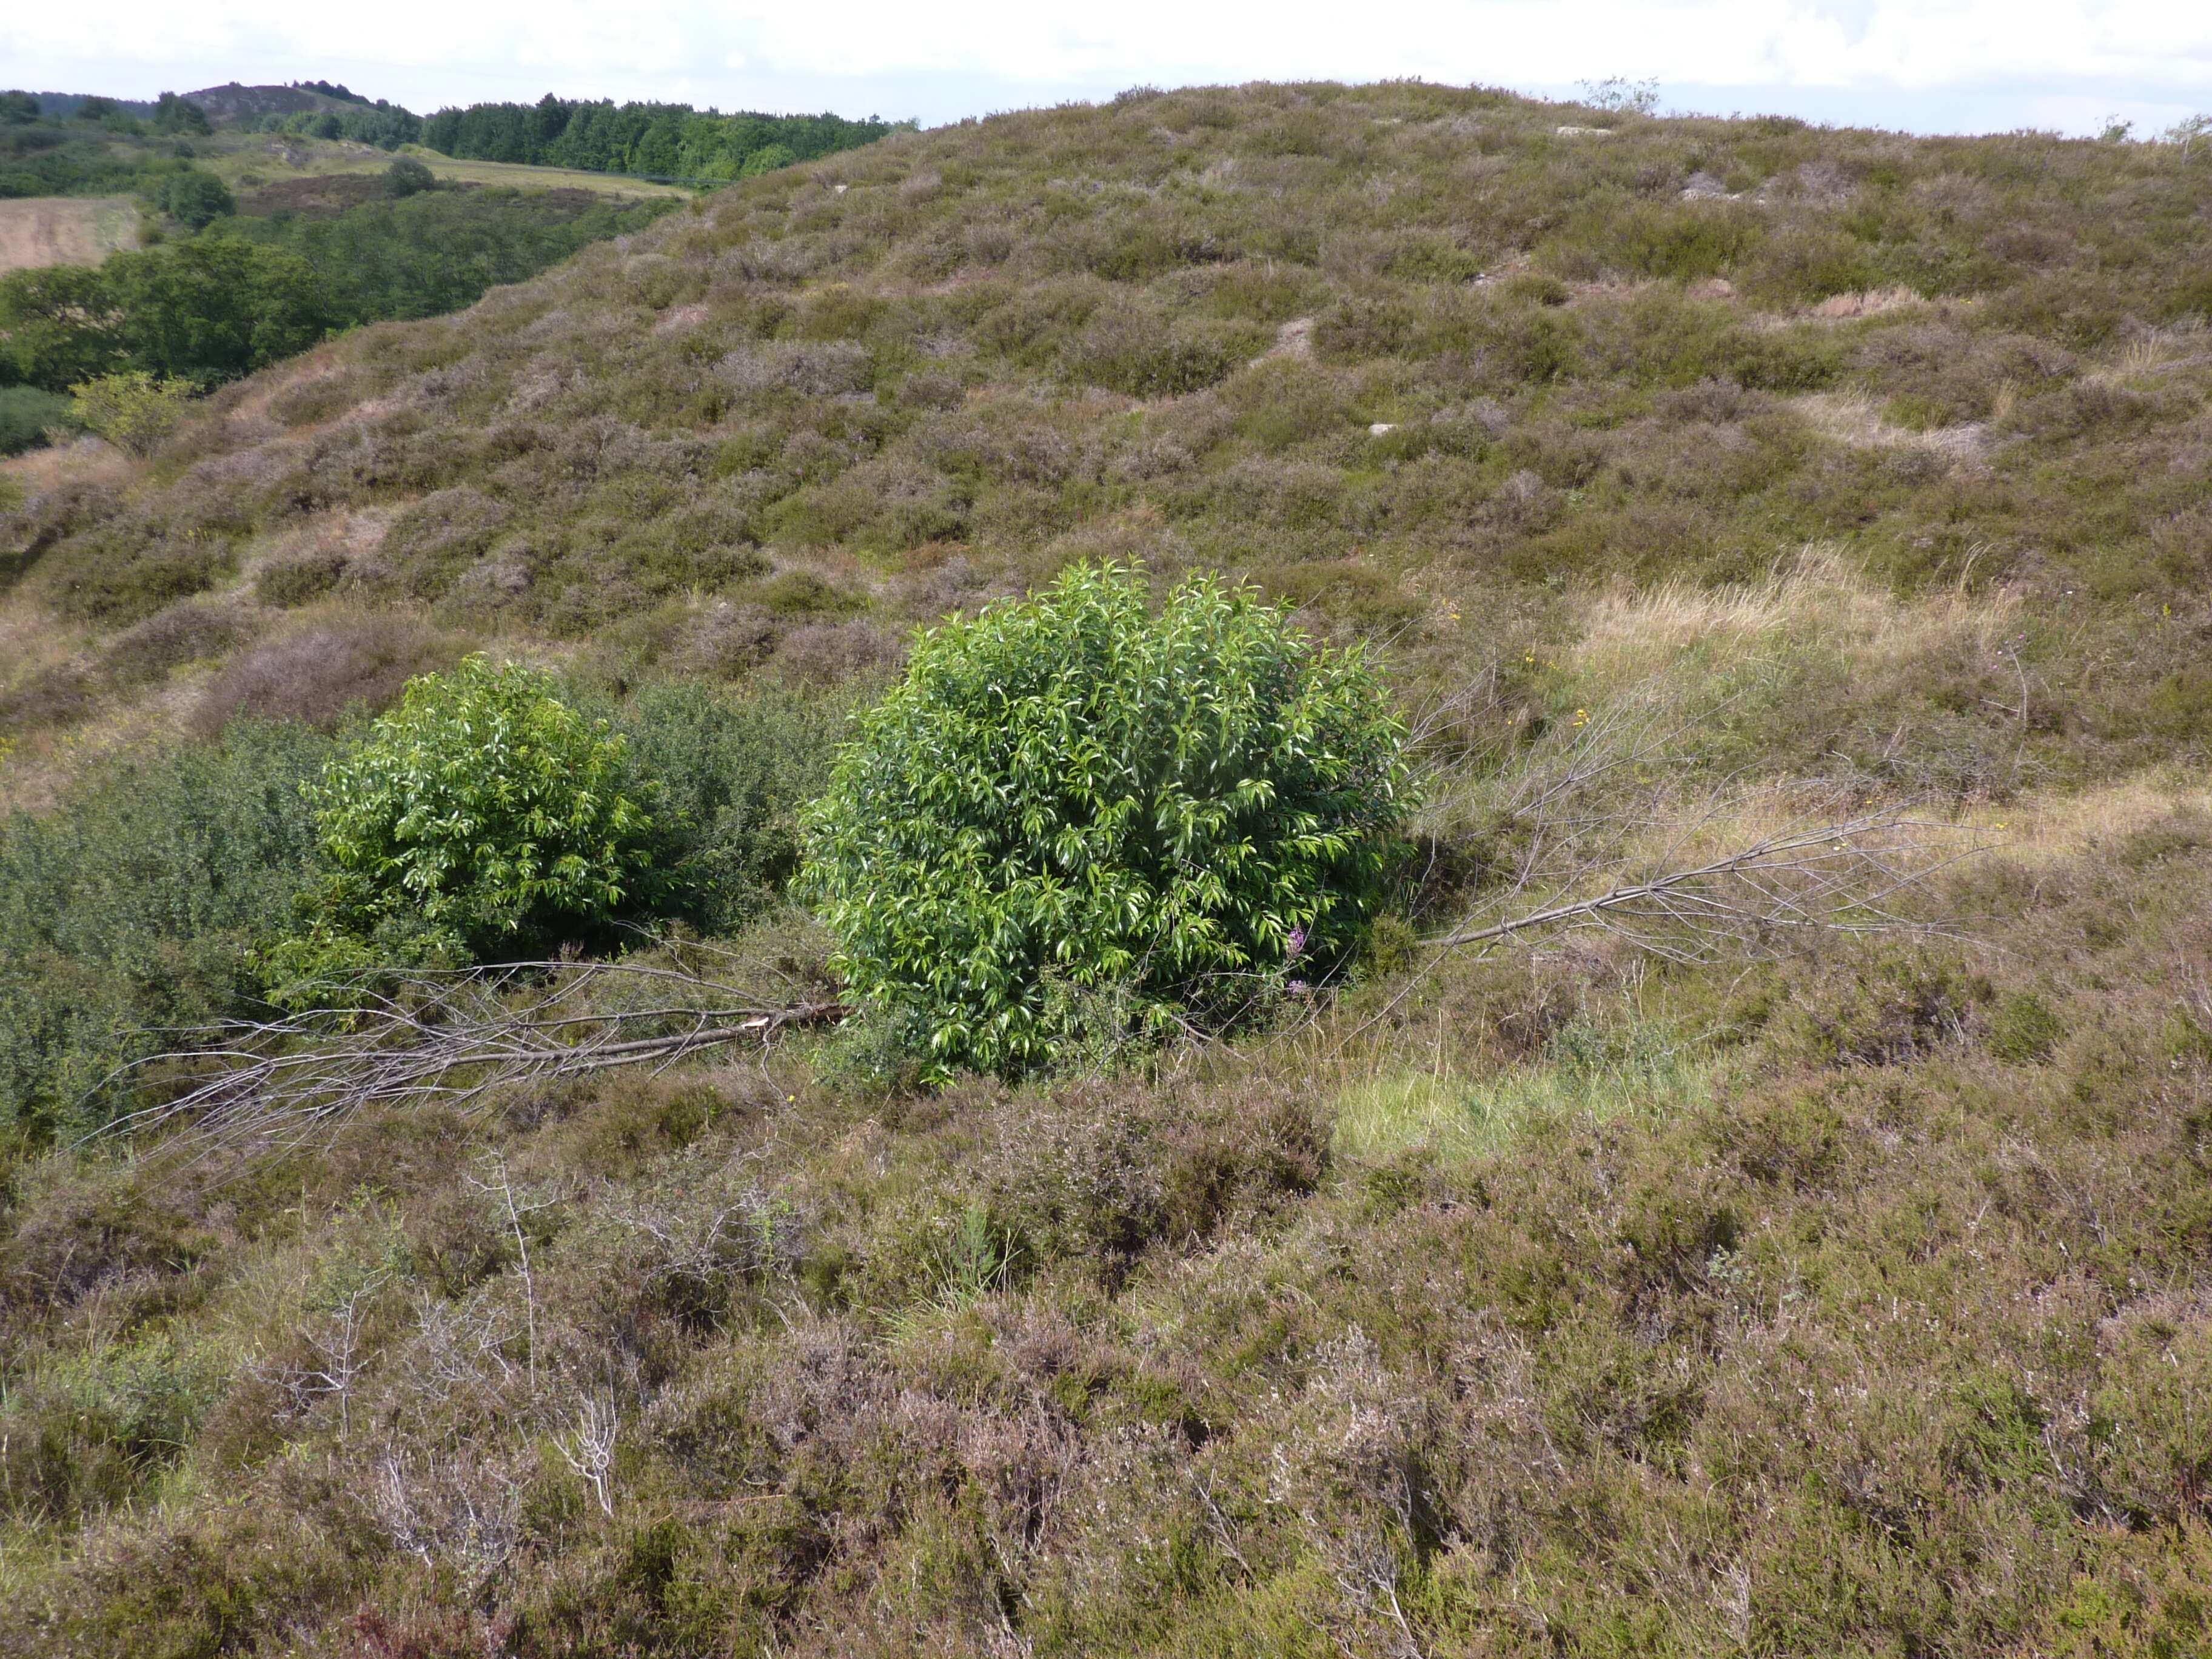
<point>1624,1292</point>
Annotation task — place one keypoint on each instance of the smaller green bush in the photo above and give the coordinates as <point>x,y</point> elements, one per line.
<point>193,198</point>
<point>137,902</point>
<point>134,411</point>
<point>484,809</point>
<point>727,778</point>
<point>407,177</point>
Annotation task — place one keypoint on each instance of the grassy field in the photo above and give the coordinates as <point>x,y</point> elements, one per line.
<point>1603,1291</point>
<point>246,161</point>
<point>63,230</point>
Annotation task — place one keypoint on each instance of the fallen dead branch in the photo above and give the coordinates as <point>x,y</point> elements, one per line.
<point>452,1037</point>
<point>1841,877</point>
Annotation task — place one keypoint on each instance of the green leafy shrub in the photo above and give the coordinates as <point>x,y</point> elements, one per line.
<point>134,411</point>
<point>193,198</point>
<point>1071,802</point>
<point>483,809</point>
<point>407,176</point>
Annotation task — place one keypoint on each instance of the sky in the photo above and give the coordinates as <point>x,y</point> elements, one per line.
<point>1919,65</point>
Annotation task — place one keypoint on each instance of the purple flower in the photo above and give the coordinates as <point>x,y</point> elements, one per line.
<point>1297,941</point>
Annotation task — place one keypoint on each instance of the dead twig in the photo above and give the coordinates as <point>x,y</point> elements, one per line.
<point>452,1037</point>
<point>1836,878</point>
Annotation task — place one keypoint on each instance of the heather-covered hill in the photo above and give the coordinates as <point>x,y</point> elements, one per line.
<point>1381,350</point>
<point>1823,1293</point>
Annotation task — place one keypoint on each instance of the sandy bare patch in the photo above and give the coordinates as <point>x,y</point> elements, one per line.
<point>1874,302</point>
<point>1821,598</point>
<point>1854,418</point>
<point>2050,830</point>
<point>1293,339</point>
<point>63,230</point>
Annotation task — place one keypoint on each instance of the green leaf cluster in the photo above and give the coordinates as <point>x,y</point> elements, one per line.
<point>1072,801</point>
<point>133,412</point>
<point>483,809</point>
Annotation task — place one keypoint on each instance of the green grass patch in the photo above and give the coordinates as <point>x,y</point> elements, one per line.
<point>1588,1073</point>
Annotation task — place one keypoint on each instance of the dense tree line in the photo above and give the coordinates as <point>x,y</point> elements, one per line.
<point>664,140</point>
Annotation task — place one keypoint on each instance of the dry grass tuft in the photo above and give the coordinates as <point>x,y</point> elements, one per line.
<point>1818,600</point>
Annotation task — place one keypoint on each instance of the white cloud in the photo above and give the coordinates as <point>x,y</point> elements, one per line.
<point>966,56</point>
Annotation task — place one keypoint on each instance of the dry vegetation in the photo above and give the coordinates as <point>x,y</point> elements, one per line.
<point>1830,1295</point>
<point>56,230</point>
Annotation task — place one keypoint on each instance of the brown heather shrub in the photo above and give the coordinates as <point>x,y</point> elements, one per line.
<point>344,664</point>
<point>289,582</point>
<point>189,632</point>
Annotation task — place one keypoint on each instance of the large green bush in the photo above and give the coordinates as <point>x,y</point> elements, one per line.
<point>483,809</point>
<point>1072,801</point>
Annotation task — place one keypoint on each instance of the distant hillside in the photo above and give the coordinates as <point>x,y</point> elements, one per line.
<point>232,102</point>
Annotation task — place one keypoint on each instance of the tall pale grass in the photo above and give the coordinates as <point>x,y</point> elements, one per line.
<point>1816,601</point>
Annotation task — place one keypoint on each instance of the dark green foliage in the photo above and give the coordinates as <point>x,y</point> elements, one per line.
<point>27,415</point>
<point>427,251</point>
<point>174,116</point>
<point>1069,794</point>
<point>137,903</point>
<point>38,158</point>
<point>252,290</point>
<point>208,309</point>
<point>387,126</point>
<point>193,198</point>
<point>725,778</point>
<point>56,326</point>
<point>664,140</point>
<point>407,177</point>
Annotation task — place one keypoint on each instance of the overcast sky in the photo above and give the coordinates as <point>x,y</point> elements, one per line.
<point>1924,65</point>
